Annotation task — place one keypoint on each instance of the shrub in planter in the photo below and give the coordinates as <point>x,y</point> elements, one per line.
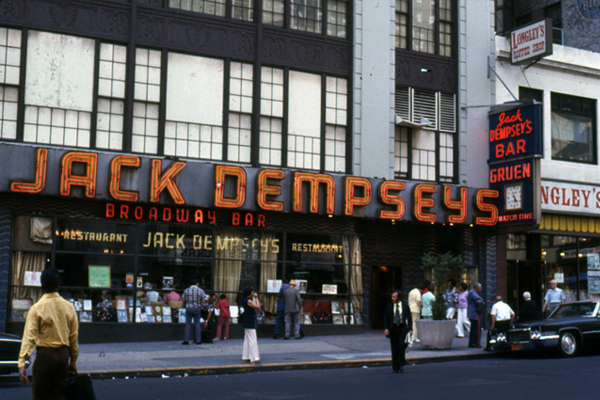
<point>442,267</point>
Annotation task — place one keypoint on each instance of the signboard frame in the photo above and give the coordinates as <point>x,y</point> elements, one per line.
<point>533,41</point>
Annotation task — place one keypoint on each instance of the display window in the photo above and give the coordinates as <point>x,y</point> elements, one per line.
<point>137,272</point>
<point>574,263</point>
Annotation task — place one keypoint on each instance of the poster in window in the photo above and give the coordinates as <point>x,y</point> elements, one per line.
<point>234,311</point>
<point>85,316</point>
<point>335,307</point>
<point>121,304</point>
<point>593,261</point>
<point>338,320</point>
<point>129,279</point>
<point>182,315</point>
<point>167,282</point>
<point>306,319</point>
<point>122,316</point>
<point>273,285</point>
<point>87,305</point>
<point>302,285</point>
<point>559,277</point>
<point>329,289</point>
<point>32,278</point>
<point>140,282</point>
<point>167,319</point>
<point>593,282</point>
<point>99,276</point>
<point>78,305</point>
<point>20,309</point>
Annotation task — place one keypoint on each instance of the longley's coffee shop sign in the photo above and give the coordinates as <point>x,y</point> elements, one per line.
<point>128,182</point>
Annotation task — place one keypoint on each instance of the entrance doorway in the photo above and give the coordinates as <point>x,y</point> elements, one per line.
<point>384,280</point>
<point>523,276</point>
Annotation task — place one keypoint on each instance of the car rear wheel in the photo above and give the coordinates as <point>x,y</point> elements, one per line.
<point>568,345</point>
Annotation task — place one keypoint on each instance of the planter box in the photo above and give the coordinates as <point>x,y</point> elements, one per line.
<point>436,335</point>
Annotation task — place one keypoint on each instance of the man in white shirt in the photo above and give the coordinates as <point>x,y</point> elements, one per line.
<point>502,319</point>
<point>415,305</point>
<point>554,298</point>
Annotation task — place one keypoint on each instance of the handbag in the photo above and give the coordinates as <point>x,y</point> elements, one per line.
<point>80,388</point>
<point>409,339</point>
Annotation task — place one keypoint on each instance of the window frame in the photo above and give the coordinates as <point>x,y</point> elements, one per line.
<point>436,35</point>
<point>594,129</point>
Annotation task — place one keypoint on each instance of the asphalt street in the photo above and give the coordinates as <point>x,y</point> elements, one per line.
<point>538,377</point>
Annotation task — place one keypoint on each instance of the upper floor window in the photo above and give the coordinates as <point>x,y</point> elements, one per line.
<point>425,25</point>
<point>573,128</point>
<point>316,16</point>
<point>555,12</point>
<point>425,139</point>
<point>77,89</point>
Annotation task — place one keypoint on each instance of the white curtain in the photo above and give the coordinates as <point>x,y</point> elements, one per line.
<point>228,266</point>
<point>26,261</point>
<point>268,270</point>
<point>353,273</point>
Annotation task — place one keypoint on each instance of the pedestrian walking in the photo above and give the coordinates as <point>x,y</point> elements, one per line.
<point>251,304</point>
<point>554,298</point>
<point>293,305</point>
<point>396,322</point>
<point>224,318</point>
<point>528,310</point>
<point>473,300</point>
<point>415,305</point>
<point>280,318</point>
<point>451,298</point>
<point>428,298</point>
<point>462,321</point>
<point>53,328</point>
<point>502,319</point>
<point>194,299</point>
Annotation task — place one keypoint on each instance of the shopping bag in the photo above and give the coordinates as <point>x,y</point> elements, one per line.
<point>80,388</point>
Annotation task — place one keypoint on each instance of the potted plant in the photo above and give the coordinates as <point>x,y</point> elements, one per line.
<point>438,333</point>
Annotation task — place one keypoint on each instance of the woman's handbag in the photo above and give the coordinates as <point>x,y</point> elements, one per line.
<point>409,339</point>
<point>80,388</point>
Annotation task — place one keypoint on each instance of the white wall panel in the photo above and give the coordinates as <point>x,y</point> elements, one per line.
<point>304,104</point>
<point>195,89</point>
<point>60,71</point>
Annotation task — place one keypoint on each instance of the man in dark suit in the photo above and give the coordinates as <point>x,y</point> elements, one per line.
<point>529,310</point>
<point>396,321</point>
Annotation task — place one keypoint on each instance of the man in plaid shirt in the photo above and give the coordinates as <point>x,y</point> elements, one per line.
<point>194,299</point>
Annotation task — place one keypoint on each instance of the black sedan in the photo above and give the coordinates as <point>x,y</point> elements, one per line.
<point>569,329</point>
<point>10,346</point>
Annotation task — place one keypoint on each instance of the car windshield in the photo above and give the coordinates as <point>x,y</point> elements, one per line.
<point>574,310</point>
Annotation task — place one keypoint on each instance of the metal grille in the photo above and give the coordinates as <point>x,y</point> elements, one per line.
<point>518,336</point>
<point>403,103</point>
<point>425,106</point>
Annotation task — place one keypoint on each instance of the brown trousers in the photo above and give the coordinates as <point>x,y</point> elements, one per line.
<point>50,372</point>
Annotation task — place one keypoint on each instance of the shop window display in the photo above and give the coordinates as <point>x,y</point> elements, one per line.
<point>136,272</point>
<point>574,263</point>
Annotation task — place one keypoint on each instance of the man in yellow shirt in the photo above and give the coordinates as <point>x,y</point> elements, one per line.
<point>52,327</point>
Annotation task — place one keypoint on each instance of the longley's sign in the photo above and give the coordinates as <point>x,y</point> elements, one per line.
<point>531,41</point>
<point>130,180</point>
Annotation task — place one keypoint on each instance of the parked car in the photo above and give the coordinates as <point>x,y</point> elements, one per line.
<point>10,346</point>
<point>570,328</point>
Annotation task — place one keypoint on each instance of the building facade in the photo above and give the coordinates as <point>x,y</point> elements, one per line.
<point>565,245</point>
<point>148,143</point>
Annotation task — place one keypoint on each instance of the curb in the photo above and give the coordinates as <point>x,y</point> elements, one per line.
<point>245,368</point>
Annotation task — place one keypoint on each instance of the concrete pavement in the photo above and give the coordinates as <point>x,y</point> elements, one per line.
<point>145,359</point>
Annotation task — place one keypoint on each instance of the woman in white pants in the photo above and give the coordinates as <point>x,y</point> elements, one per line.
<point>251,304</point>
<point>462,321</point>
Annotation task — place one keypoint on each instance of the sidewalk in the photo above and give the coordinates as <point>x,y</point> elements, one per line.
<point>167,359</point>
<point>171,359</point>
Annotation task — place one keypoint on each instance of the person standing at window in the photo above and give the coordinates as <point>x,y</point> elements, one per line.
<point>451,298</point>
<point>194,299</point>
<point>224,318</point>
<point>251,304</point>
<point>462,321</point>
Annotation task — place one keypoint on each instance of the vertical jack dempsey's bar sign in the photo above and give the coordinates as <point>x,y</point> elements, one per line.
<point>515,137</point>
<point>531,42</point>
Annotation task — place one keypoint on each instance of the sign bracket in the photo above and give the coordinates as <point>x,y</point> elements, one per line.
<point>500,79</point>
